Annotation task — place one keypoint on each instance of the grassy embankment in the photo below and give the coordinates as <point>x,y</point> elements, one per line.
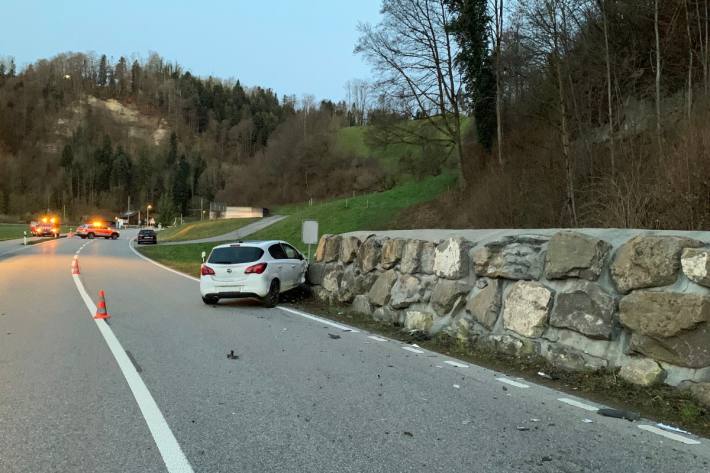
<point>204,229</point>
<point>366,212</point>
<point>10,231</point>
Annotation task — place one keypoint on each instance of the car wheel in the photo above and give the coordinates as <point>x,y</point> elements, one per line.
<point>90,236</point>
<point>210,300</point>
<point>114,236</point>
<point>272,298</point>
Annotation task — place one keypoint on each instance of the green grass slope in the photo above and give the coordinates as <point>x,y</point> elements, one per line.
<point>367,212</point>
<point>204,229</point>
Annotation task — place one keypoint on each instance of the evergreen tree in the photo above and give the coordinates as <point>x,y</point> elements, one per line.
<point>471,27</point>
<point>181,185</point>
<point>135,77</point>
<point>172,151</point>
<point>103,71</point>
<point>166,209</point>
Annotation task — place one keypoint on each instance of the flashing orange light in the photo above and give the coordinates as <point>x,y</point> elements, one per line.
<point>97,223</point>
<point>52,220</point>
<point>44,219</point>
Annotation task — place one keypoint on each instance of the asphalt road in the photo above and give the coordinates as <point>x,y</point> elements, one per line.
<point>295,400</point>
<point>243,232</point>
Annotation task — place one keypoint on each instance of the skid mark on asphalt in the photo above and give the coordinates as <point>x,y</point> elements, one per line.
<point>173,456</point>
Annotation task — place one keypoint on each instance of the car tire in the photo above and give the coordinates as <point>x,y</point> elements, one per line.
<point>272,298</point>
<point>90,236</point>
<point>114,236</point>
<point>210,300</point>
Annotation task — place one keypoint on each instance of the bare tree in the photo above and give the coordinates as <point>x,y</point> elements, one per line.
<point>411,54</point>
<point>658,79</point>
<point>498,20</point>
<point>607,56</point>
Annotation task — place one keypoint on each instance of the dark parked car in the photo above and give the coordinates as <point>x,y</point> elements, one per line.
<point>147,236</point>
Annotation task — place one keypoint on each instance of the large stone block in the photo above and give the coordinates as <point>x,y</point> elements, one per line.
<point>446,293</point>
<point>485,302</point>
<point>527,308</point>
<point>511,258</point>
<point>331,279</point>
<point>348,284</point>
<point>642,372</point>
<point>411,256</point>
<point>573,360</point>
<point>575,255</point>
<point>361,305</point>
<point>379,294</point>
<point>418,320</point>
<point>451,260</point>
<point>696,265</point>
<point>368,255</point>
<point>701,392</point>
<point>585,308</point>
<point>320,249</point>
<point>663,314</point>
<point>690,348</point>
<point>406,291</point>
<point>364,281</point>
<point>392,252</point>
<point>348,249</point>
<point>427,258</point>
<point>649,261</point>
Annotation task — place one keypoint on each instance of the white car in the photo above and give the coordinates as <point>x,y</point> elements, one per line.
<point>262,269</point>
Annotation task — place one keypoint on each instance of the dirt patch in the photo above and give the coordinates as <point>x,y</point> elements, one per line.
<point>660,403</point>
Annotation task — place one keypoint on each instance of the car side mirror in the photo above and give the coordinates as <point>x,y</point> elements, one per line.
<point>204,256</point>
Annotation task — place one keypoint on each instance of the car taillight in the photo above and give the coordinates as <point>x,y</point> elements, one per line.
<point>206,270</point>
<point>256,269</point>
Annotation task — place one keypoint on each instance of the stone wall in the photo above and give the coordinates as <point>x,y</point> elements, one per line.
<point>584,300</point>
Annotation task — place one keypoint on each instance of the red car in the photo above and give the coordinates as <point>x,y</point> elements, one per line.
<point>97,229</point>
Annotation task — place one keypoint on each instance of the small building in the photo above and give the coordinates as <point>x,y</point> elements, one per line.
<point>225,211</point>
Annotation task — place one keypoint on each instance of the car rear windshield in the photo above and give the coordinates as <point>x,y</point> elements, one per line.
<point>146,232</point>
<point>235,255</point>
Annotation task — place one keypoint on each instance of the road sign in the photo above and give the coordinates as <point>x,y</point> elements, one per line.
<point>309,232</point>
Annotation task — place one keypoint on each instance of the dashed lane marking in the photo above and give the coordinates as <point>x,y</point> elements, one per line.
<point>455,364</point>
<point>318,319</point>
<point>581,405</point>
<point>173,456</point>
<point>669,435</point>
<point>513,383</point>
<point>377,339</point>
<point>413,350</point>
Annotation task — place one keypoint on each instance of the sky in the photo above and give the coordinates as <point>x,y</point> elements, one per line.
<point>291,46</point>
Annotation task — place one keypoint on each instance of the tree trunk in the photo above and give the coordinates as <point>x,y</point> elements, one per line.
<point>608,89</point>
<point>690,62</point>
<point>499,91</point>
<point>658,81</point>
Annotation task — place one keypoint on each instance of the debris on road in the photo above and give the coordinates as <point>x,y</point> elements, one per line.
<point>333,336</point>
<point>542,374</point>
<point>232,356</point>
<point>534,420</point>
<point>408,434</point>
<point>588,421</point>
<point>546,459</point>
<point>456,386</point>
<point>619,414</point>
<point>522,428</point>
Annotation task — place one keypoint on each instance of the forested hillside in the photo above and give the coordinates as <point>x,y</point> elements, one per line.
<point>84,133</point>
<point>587,112</point>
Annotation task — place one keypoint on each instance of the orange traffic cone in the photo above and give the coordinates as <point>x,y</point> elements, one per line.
<point>101,312</point>
<point>75,266</point>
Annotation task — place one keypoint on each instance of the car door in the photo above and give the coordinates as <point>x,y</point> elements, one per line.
<point>296,265</point>
<point>279,265</point>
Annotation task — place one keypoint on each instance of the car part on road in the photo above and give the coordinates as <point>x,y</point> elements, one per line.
<point>619,414</point>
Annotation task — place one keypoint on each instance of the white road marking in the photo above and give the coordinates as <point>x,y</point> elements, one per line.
<point>512,383</point>
<point>173,456</point>
<point>413,350</point>
<point>581,405</point>
<point>377,339</point>
<point>669,435</point>
<point>158,264</point>
<point>455,364</point>
<point>318,319</point>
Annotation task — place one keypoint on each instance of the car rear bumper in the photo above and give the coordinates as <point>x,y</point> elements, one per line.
<point>252,287</point>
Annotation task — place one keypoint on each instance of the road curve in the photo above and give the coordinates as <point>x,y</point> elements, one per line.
<point>245,231</point>
<point>303,395</point>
